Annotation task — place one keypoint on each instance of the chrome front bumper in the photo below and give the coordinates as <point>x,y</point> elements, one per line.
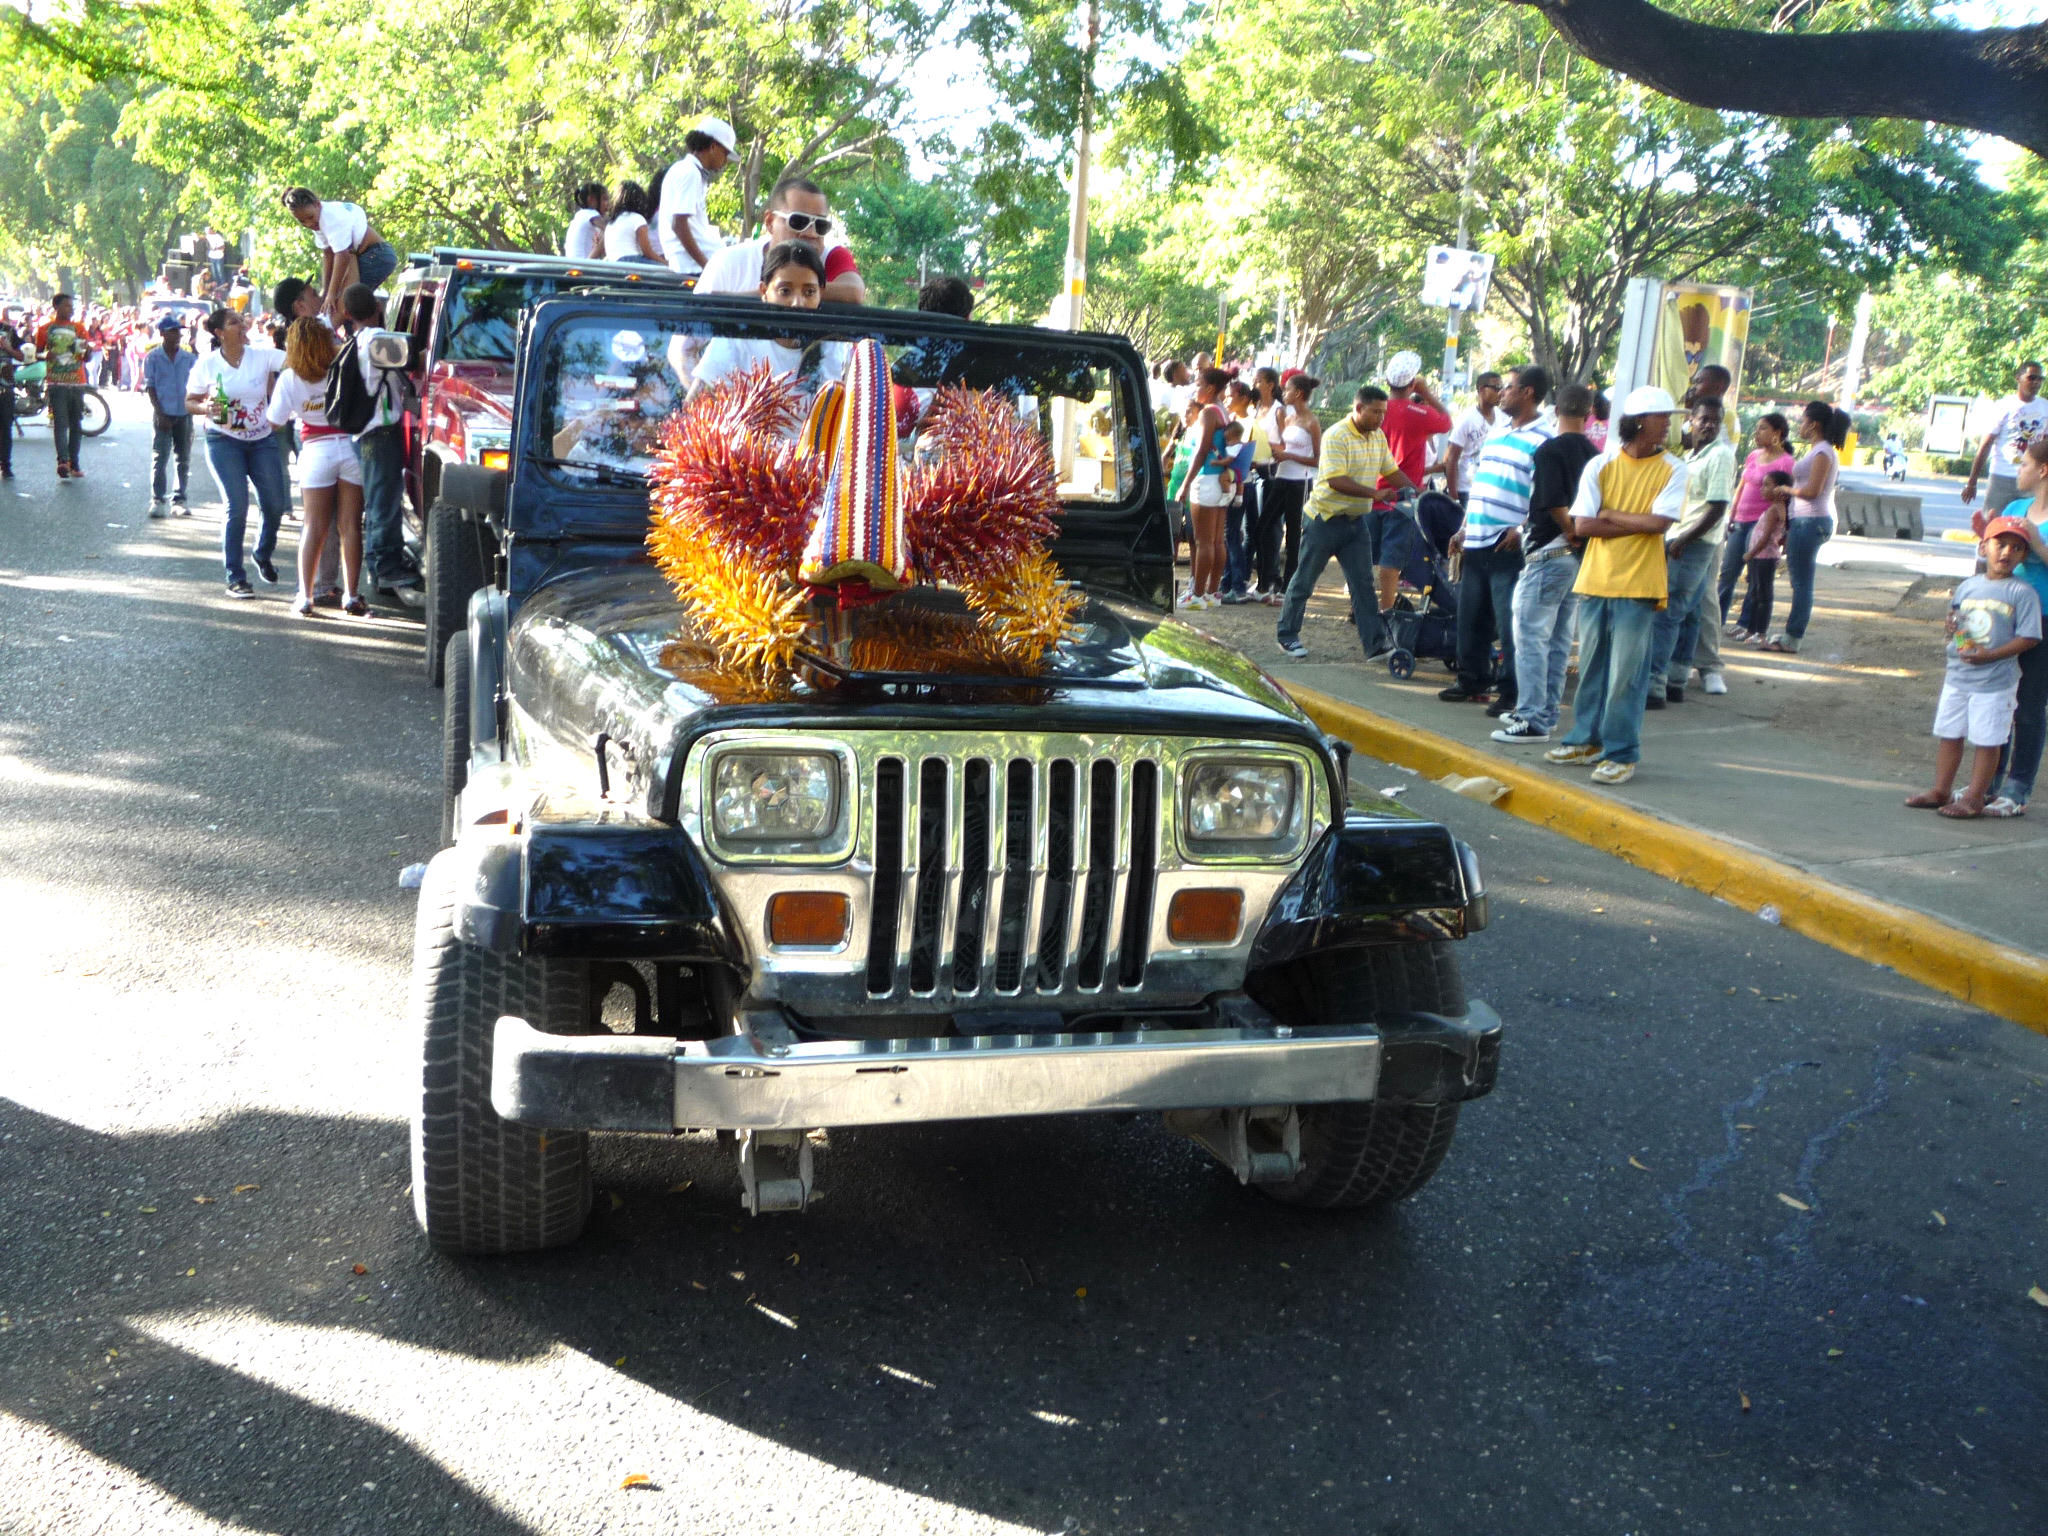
<point>582,1082</point>
<point>744,1082</point>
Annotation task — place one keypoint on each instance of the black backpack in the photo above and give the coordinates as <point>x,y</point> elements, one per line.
<point>350,404</point>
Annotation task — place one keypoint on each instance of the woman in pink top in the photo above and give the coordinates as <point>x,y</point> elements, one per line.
<point>1769,433</point>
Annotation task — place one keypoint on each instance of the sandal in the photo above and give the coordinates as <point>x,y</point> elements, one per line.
<point>2005,807</point>
<point>1926,800</point>
<point>1960,809</point>
<point>355,607</point>
<point>302,606</point>
<point>1783,645</point>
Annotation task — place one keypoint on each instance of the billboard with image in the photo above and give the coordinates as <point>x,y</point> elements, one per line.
<point>1669,331</point>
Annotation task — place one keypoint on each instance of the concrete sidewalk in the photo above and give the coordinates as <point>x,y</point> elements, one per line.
<point>1805,761</point>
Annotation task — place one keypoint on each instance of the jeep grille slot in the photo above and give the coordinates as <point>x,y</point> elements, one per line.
<point>1011,877</point>
<point>1144,863</point>
<point>1100,887</point>
<point>1060,816</point>
<point>934,871</point>
<point>975,822</point>
<point>1014,919</point>
<point>888,889</point>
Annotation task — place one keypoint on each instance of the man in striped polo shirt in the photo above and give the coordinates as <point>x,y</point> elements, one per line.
<point>1491,543</point>
<point>1629,495</point>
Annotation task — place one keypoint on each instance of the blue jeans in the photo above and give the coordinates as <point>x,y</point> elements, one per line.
<point>1614,675</point>
<point>383,460</point>
<point>375,263</point>
<point>1237,550</point>
<point>1486,605</point>
<point>1803,539</point>
<point>172,443</point>
<point>1677,626</point>
<point>67,412</point>
<point>2021,759</point>
<point>1347,541</point>
<point>236,466</point>
<point>1544,606</point>
<point>1734,552</point>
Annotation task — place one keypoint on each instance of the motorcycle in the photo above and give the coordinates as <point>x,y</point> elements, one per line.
<point>1894,461</point>
<point>31,399</point>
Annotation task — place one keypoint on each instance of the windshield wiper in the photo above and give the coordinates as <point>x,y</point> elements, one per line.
<point>604,474</point>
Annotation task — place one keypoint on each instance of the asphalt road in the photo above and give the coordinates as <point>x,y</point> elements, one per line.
<point>1744,1240</point>
<point>1941,500</point>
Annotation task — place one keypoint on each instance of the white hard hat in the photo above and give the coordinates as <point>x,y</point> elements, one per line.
<point>1648,400</point>
<point>718,128</point>
<point>1402,368</point>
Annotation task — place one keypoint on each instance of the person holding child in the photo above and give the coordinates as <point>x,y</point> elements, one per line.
<point>1992,620</point>
<point>1753,504</point>
<point>2021,760</point>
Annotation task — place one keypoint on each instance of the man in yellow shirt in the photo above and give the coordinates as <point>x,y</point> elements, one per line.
<point>1356,465</point>
<point>1628,496</point>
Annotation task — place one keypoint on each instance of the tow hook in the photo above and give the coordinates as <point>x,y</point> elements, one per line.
<point>1260,1146</point>
<point>775,1171</point>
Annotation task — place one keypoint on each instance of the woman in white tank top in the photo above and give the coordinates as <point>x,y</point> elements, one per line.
<point>1295,452</point>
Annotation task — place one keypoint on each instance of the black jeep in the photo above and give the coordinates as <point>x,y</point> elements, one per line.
<point>895,896</point>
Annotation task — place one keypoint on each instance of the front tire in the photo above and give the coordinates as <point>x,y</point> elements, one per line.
<point>1357,1155</point>
<point>93,415</point>
<point>459,555</point>
<point>481,1184</point>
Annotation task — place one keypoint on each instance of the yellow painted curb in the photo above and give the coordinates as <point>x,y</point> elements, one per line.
<point>1994,977</point>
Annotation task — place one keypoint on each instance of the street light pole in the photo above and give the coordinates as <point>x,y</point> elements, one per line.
<point>1074,300</point>
<point>1451,324</point>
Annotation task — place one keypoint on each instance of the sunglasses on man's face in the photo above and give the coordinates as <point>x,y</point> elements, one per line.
<point>807,223</point>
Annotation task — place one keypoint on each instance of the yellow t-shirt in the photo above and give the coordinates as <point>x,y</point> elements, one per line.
<point>1632,565</point>
<point>1364,456</point>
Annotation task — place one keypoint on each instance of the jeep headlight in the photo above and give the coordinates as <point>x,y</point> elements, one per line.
<point>1238,807</point>
<point>775,797</point>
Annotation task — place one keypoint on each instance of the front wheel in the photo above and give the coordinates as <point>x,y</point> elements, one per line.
<point>94,417</point>
<point>1365,1154</point>
<point>481,1184</point>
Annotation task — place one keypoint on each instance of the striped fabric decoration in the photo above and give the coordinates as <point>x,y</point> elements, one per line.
<point>821,427</point>
<point>859,532</point>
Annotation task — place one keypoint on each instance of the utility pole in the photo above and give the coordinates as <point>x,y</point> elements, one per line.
<point>1451,324</point>
<point>1073,302</point>
<point>1852,360</point>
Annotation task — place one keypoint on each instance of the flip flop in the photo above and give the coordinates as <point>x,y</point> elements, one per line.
<point>1959,810</point>
<point>1926,800</point>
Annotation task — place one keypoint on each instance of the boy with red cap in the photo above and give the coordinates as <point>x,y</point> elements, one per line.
<point>1991,619</point>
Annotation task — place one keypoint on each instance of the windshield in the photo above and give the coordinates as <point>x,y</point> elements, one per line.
<point>483,315</point>
<point>607,384</point>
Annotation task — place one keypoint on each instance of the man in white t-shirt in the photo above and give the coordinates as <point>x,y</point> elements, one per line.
<point>797,211</point>
<point>1461,448</point>
<point>2021,416</point>
<point>681,222</point>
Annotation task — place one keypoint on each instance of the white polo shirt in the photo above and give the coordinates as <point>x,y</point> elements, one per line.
<point>683,191</point>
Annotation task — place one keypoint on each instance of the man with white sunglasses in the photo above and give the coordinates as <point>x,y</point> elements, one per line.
<point>797,211</point>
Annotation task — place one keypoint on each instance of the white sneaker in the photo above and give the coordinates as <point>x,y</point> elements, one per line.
<point>1715,683</point>
<point>1609,772</point>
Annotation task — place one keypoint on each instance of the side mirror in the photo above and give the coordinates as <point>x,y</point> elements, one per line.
<point>388,349</point>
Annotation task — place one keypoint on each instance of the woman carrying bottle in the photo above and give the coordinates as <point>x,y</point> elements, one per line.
<point>231,387</point>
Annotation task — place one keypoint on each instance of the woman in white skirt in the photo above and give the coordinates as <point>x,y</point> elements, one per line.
<point>330,475</point>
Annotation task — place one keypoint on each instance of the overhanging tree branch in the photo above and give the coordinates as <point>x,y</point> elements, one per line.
<point>1994,80</point>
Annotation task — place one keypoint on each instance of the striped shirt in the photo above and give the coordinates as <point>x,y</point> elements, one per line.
<point>1501,481</point>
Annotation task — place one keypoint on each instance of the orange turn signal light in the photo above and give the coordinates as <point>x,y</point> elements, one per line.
<point>1205,917</point>
<point>815,919</point>
<point>496,458</point>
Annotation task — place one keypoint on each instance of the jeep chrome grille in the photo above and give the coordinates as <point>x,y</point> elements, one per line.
<point>1009,872</point>
<point>1010,876</point>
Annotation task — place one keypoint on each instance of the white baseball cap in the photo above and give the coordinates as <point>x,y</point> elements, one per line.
<point>718,128</point>
<point>1402,368</point>
<point>1648,400</point>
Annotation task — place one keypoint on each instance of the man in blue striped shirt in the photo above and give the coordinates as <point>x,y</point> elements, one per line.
<point>1491,543</point>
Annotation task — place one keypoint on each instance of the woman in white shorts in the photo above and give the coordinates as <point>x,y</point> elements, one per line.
<point>330,475</point>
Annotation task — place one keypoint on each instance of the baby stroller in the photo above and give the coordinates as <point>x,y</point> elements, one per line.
<point>1425,617</point>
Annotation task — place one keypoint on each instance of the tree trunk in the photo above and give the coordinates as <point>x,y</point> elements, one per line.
<point>1994,80</point>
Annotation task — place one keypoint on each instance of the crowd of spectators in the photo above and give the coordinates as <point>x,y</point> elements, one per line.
<point>1627,547</point>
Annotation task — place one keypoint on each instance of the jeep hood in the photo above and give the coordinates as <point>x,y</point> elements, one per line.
<point>585,658</point>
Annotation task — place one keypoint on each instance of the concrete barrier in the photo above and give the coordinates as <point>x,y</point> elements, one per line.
<point>1879,514</point>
